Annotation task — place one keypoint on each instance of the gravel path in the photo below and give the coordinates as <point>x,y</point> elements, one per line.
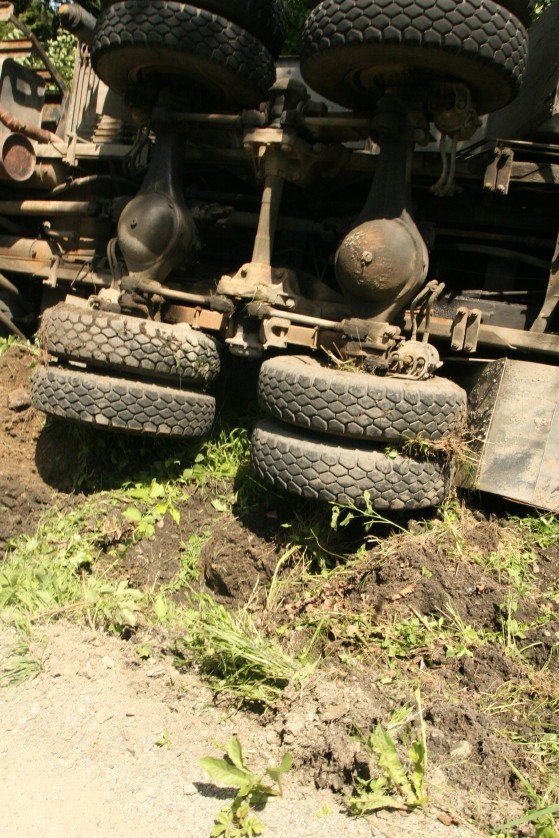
<point>79,753</point>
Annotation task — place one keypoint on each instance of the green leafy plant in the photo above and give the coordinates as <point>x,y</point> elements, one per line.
<point>237,819</point>
<point>395,786</point>
<point>48,575</point>
<point>369,517</point>
<point>156,500</point>
<point>164,740</point>
<point>5,343</point>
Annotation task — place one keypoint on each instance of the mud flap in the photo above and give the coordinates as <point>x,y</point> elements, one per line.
<point>514,420</point>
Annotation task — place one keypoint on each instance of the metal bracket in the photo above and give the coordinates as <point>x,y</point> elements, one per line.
<point>464,331</point>
<point>52,278</point>
<point>498,173</point>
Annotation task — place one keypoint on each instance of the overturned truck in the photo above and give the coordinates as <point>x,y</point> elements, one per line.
<point>377,221</point>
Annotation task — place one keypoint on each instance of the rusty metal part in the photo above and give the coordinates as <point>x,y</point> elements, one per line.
<point>156,231</point>
<point>497,338</point>
<point>513,419</point>
<point>413,359</point>
<point>551,301</point>
<point>17,158</point>
<point>147,286</point>
<point>383,260</point>
<point>243,341</point>
<point>198,317</point>
<point>257,279</point>
<point>380,259</point>
<point>299,161</point>
<point>20,126</point>
<point>465,330</point>
<point>275,286</point>
<point>77,20</point>
<point>47,175</point>
<point>422,305</point>
<point>453,112</point>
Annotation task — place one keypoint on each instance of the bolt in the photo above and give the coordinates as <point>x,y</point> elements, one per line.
<point>366,257</point>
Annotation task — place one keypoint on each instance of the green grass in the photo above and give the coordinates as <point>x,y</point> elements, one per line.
<point>23,661</point>
<point>49,574</point>
<point>234,656</point>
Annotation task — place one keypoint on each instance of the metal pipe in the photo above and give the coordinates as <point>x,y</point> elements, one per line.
<point>150,286</point>
<point>89,208</point>
<point>265,233</point>
<point>20,126</point>
<point>77,183</point>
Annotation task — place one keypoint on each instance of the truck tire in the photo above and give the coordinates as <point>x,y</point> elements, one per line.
<point>121,404</point>
<point>522,9</point>
<point>130,344</point>
<point>265,19</point>
<point>135,40</point>
<point>475,41</point>
<point>338,472</point>
<point>305,392</point>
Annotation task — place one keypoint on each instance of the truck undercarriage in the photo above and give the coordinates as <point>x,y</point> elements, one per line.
<point>354,219</point>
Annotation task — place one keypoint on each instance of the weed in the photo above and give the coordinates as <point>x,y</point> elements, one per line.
<point>5,343</point>
<point>189,557</point>
<point>156,499</point>
<point>395,786</point>
<point>164,740</point>
<point>220,457</point>
<point>369,517</point>
<point>406,638</point>
<point>545,528</point>
<point>454,448</point>
<point>234,655</point>
<point>237,819</point>
<point>22,662</point>
<point>49,574</point>
<point>542,816</point>
<point>461,636</point>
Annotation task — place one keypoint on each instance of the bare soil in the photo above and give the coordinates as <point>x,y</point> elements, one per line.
<point>92,726</point>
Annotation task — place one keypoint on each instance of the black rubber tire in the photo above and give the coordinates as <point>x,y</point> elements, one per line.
<point>265,19</point>
<point>522,9</point>
<point>135,40</point>
<point>130,344</point>
<point>339,472</point>
<point>120,404</point>
<point>345,45</point>
<point>309,394</point>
